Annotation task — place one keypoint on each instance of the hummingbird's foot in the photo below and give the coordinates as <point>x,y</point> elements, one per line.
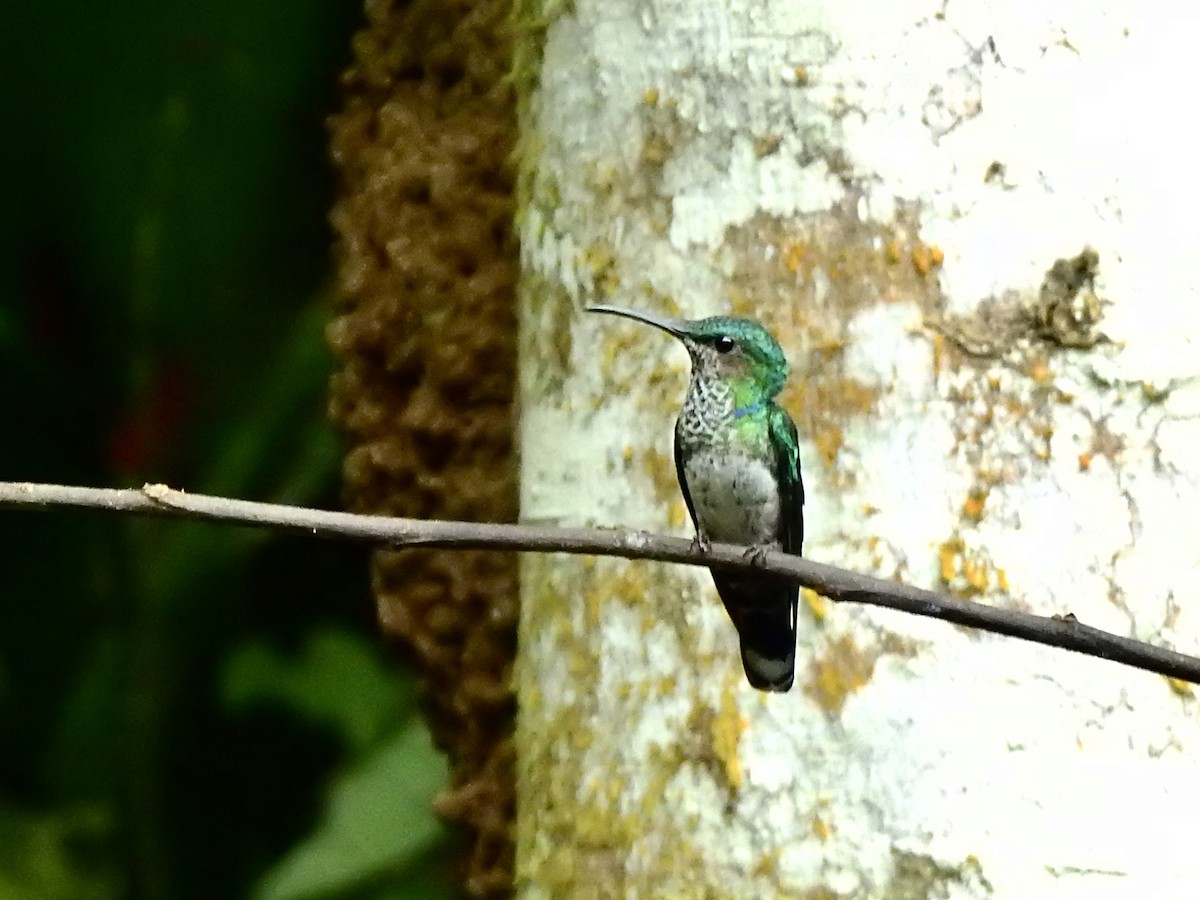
<point>758,554</point>
<point>701,544</point>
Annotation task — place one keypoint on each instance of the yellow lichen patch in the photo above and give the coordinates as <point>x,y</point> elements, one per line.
<point>599,257</point>
<point>939,353</point>
<point>827,346</point>
<point>1038,368</point>
<point>593,586</point>
<point>581,740</point>
<point>664,763</point>
<point>1181,688</point>
<point>965,573</point>
<point>741,303</point>
<point>821,829</point>
<point>817,606</point>
<point>893,252</point>
<point>580,668</point>
<point>767,865</point>
<point>974,504</point>
<point>975,574</point>
<point>948,554</point>
<point>795,258</point>
<point>727,728</point>
<point>1085,461</point>
<point>601,178</point>
<point>836,673</point>
<point>926,258</point>
<point>598,820</point>
<point>630,583</point>
<point>660,468</point>
<point>1043,431</point>
<point>593,605</point>
<point>655,149</point>
<point>1016,408</point>
<point>1002,580</point>
<point>800,75</point>
<point>829,442</point>
<point>650,98</point>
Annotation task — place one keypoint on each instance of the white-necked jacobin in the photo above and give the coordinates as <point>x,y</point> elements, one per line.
<point>737,459</point>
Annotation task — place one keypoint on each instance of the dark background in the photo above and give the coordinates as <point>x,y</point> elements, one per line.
<point>186,711</point>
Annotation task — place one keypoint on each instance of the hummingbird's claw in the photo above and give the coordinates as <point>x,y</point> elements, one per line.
<point>701,544</point>
<point>758,554</point>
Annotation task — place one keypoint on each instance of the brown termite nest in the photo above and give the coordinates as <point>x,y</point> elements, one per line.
<point>424,336</point>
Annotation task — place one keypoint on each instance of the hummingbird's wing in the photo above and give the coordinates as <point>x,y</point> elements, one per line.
<point>791,488</point>
<point>687,497</point>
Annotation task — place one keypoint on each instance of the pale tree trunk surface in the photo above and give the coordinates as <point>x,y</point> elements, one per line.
<point>973,229</point>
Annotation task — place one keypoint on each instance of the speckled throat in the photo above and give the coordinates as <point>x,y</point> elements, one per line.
<point>708,413</point>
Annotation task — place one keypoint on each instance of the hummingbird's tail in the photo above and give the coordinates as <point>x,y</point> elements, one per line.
<point>764,612</point>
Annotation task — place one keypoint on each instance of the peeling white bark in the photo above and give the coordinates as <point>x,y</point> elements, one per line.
<point>802,160</point>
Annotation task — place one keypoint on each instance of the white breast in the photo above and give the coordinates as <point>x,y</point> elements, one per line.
<point>735,497</point>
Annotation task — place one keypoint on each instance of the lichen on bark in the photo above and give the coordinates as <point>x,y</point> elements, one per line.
<point>996,394</point>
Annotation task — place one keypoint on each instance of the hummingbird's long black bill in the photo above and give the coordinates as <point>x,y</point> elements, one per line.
<point>668,324</point>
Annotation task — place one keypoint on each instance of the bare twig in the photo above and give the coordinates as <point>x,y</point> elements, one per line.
<point>834,583</point>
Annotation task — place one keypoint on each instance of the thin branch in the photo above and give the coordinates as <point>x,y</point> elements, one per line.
<point>836,584</point>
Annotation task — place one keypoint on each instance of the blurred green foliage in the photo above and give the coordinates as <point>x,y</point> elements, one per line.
<point>186,711</point>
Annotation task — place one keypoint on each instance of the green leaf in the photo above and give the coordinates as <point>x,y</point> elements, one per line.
<point>54,856</point>
<point>339,680</point>
<point>378,820</point>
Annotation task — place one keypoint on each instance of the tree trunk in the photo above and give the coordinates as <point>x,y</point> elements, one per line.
<point>971,228</point>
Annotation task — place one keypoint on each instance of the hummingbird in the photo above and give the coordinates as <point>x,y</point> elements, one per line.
<point>738,463</point>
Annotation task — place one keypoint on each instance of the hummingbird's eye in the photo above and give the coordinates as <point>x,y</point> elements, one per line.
<point>724,343</point>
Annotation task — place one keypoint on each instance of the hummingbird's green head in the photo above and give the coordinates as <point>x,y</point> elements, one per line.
<point>739,351</point>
